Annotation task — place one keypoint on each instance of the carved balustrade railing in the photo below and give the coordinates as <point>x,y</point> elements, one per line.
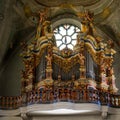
<point>56,95</point>
<point>10,102</point>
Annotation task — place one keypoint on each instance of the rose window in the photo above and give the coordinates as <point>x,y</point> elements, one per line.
<point>66,36</point>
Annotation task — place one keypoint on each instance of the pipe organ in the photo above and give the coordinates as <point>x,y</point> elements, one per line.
<point>82,74</point>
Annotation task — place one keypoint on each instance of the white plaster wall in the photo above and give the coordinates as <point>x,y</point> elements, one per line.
<point>10,118</point>
<point>74,117</point>
<point>65,117</point>
<point>35,112</point>
<point>114,117</point>
<point>77,117</point>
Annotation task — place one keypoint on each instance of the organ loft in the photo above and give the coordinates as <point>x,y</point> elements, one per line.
<point>66,62</point>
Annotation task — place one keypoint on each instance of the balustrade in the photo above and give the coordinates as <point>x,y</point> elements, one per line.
<point>66,95</point>
<point>10,102</point>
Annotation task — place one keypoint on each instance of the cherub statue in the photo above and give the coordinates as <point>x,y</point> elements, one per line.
<point>89,15</point>
<point>45,28</point>
<point>82,59</point>
<point>87,23</point>
<point>78,40</point>
<point>42,15</point>
<point>49,59</point>
<point>110,43</point>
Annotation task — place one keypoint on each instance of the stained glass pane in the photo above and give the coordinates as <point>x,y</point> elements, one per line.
<point>58,36</point>
<point>70,46</point>
<point>74,42</point>
<point>70,31</point>
<point>74,36</point>
<point>62,46</point>
<point>59,42</point>
<point>62,31</point>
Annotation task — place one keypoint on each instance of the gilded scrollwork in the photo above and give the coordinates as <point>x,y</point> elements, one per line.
<point>82,74</point>
<point>66,59</point>
<point>65,63</point>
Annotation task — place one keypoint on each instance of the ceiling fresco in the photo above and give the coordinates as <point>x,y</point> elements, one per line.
<point>59,2</point>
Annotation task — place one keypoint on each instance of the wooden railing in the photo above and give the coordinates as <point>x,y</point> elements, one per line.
<point>10,102</point>
<point>50,96</point>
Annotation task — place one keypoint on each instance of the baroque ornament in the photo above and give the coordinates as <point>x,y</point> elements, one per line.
<point>83,73</point>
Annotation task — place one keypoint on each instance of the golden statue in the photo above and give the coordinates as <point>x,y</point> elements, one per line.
<point>42,15</point>
<point>87,23</point>
<point>82,59</point>
<point>49,59</point>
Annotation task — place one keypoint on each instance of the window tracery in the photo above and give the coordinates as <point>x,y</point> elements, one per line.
<point>66,36</point>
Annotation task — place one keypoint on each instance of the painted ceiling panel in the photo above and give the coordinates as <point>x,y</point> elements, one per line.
<point>74,2</point>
